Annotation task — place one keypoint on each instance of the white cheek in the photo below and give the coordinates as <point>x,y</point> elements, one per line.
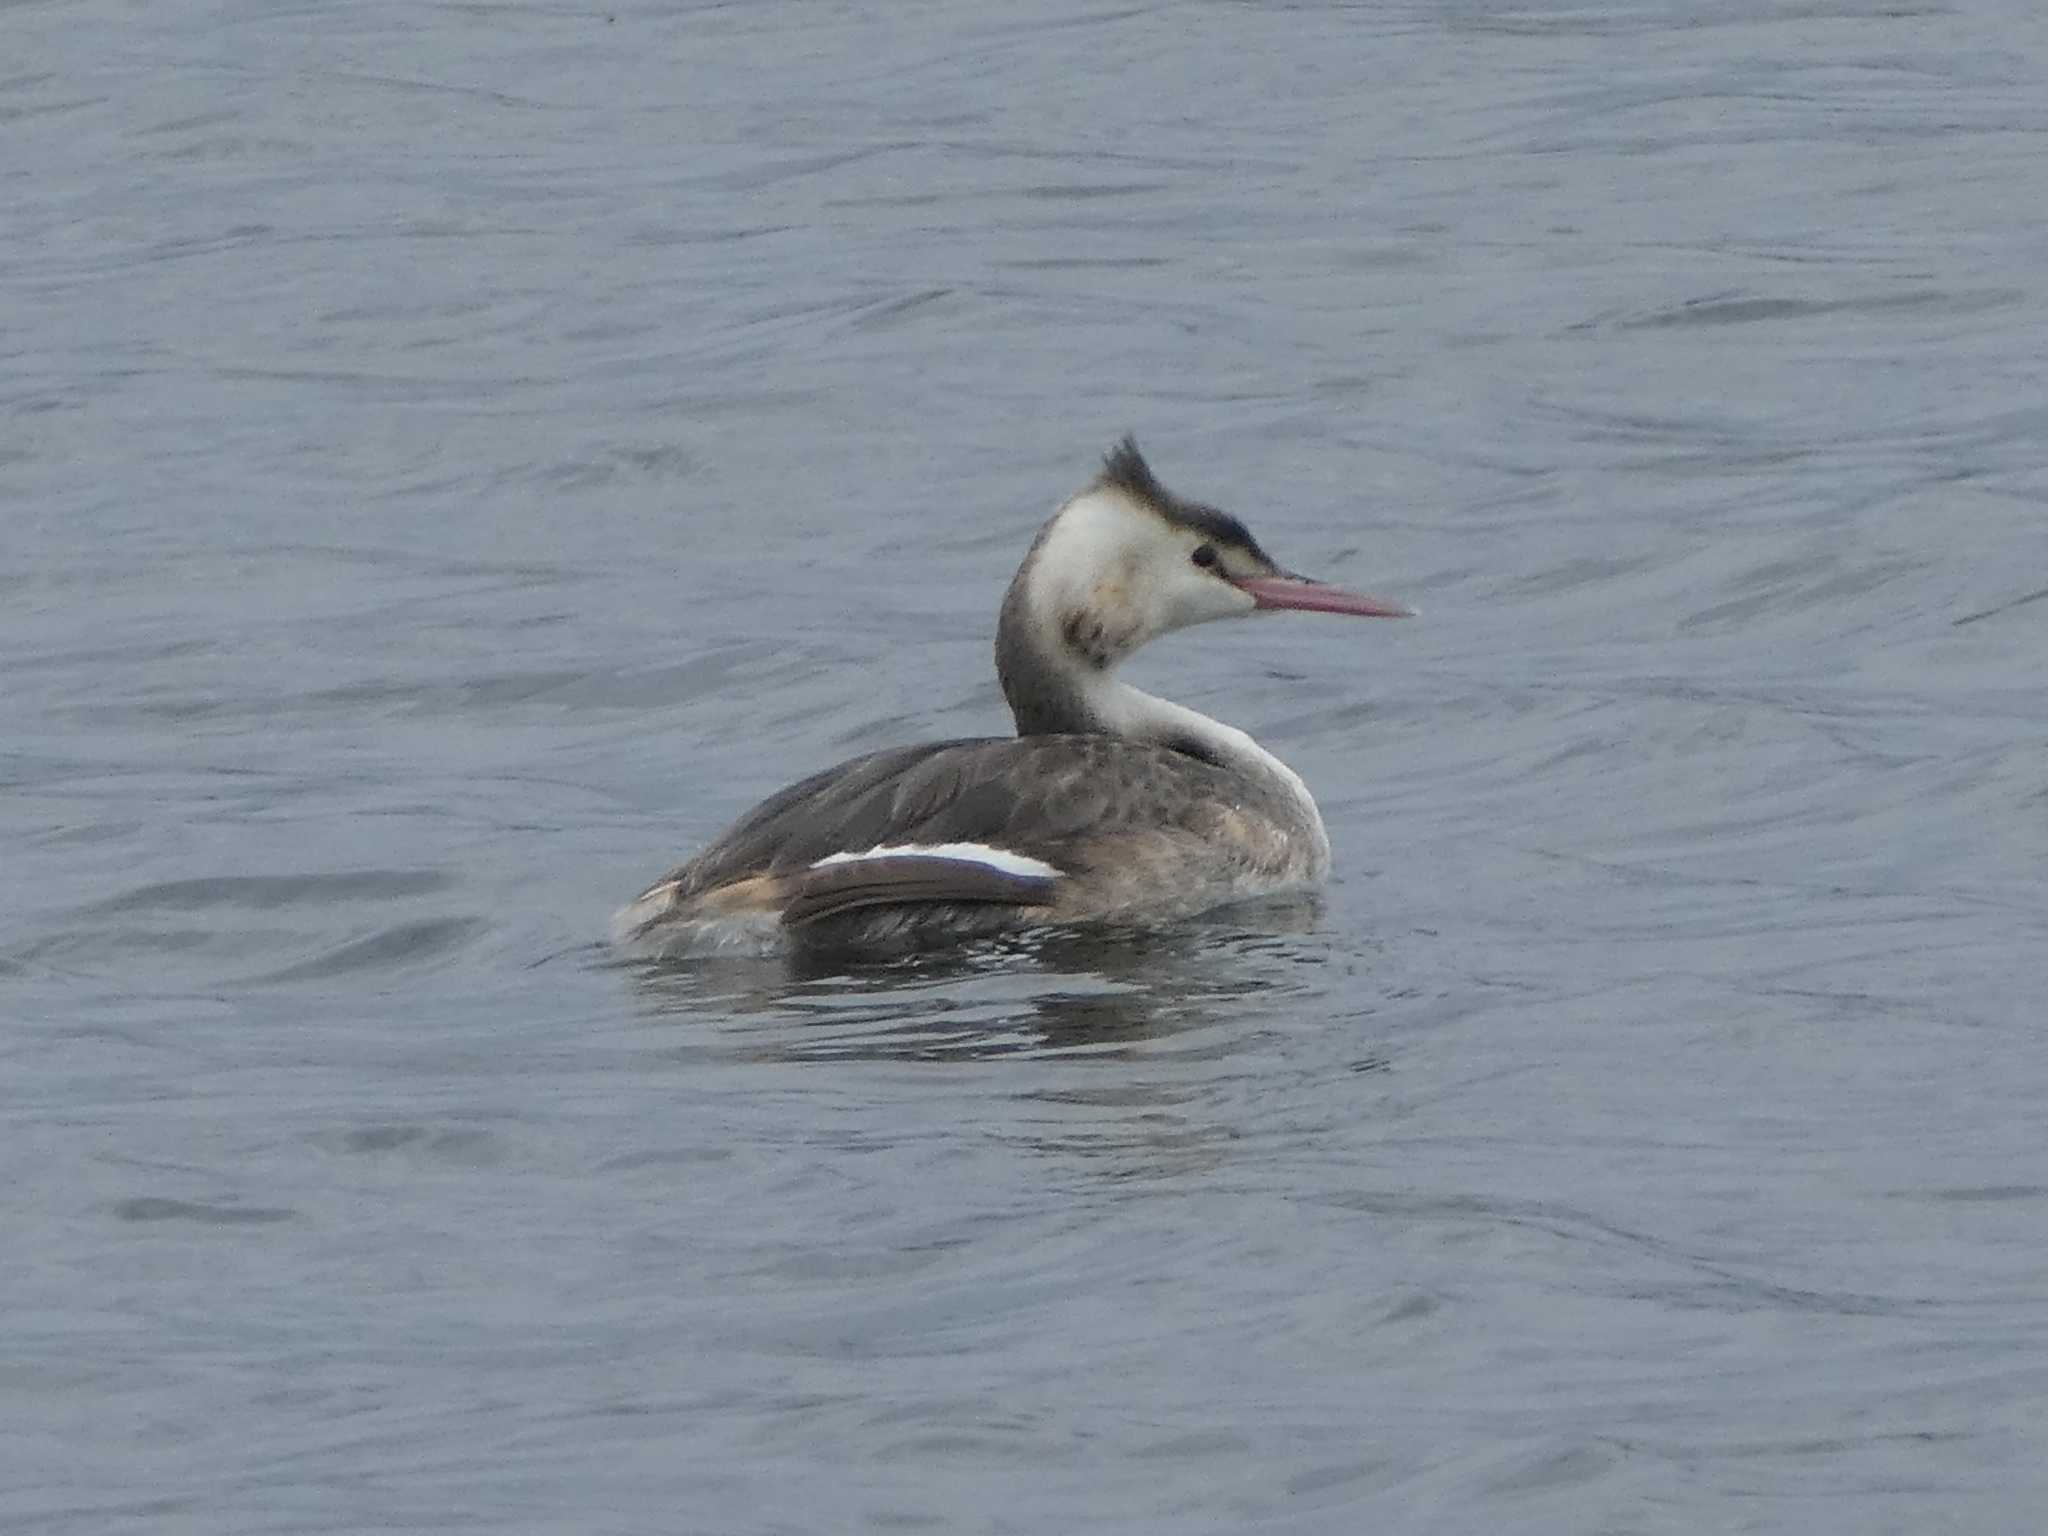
<point>1092,540</point>
<point>1195,597</point>
<point>1236,601</point>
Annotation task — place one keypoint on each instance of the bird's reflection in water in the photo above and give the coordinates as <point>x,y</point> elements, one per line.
<point>1054,992</point>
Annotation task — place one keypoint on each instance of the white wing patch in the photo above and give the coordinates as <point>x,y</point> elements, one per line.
<point>967,853</point>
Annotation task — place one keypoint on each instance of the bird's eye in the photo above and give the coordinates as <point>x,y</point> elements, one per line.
<point>1204,555</point>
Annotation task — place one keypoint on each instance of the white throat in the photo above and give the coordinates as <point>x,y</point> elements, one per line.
<point>1141,716</point>
<point>1087,597</point>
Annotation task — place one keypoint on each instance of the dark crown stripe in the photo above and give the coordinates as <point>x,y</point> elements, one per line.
<point>1125,469</point>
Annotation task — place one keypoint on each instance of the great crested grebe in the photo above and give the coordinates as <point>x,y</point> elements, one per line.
<point>1107,806</point>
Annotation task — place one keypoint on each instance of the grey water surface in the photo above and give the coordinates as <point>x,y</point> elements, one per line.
<point>454,457</point>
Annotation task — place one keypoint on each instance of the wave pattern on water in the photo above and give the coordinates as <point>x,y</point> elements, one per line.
<point>456,458</point>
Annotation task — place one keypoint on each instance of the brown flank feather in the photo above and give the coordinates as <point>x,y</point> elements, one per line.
<point>906,880</point>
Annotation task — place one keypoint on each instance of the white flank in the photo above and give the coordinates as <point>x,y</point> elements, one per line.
<point>966,853</point>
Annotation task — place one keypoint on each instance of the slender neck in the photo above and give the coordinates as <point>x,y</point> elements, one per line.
<point>1051,691</point>
<point>1057,683</point>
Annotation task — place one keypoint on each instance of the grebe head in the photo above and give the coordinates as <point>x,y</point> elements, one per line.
<point>1127,560</point>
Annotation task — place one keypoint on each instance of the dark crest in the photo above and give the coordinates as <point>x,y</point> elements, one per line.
<point>1126,469</point>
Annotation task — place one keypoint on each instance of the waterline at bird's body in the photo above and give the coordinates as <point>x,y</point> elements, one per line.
<point>1109,805</point>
